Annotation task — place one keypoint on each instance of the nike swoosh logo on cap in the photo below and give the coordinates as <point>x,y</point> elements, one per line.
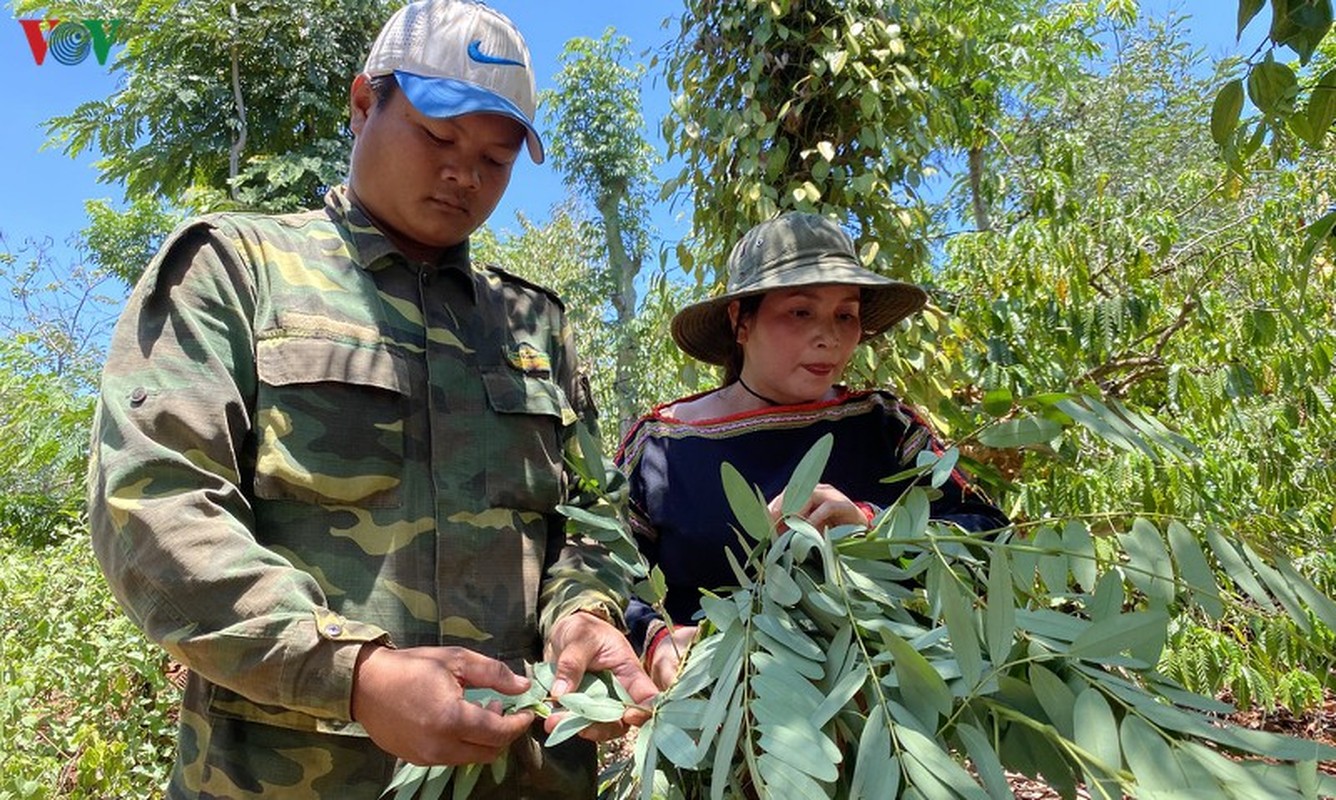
<point>476,53</point>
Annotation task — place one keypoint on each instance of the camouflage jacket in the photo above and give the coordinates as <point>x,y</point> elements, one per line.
<point>304,443</point>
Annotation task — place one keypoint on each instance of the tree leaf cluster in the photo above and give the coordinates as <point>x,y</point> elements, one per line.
<point>913,660</point>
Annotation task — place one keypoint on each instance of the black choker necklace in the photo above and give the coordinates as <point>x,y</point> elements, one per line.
<point>755,393</point>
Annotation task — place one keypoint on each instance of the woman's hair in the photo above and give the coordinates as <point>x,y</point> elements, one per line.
<point>747,308</point>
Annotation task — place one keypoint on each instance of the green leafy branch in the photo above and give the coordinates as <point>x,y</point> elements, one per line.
<point>874,663</point>
<point>599,698</point>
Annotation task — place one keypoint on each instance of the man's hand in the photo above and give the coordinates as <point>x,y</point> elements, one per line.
<point>583,643</point>
<point>412,704</point>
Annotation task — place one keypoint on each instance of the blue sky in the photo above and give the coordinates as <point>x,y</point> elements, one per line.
<point>44,190</point>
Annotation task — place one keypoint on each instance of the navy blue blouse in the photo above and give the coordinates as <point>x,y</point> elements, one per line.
<point>682,520</point>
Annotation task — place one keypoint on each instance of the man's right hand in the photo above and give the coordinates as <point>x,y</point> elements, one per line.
<point>411,702</point>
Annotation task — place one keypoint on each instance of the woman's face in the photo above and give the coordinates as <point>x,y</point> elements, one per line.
<point>797,344</point>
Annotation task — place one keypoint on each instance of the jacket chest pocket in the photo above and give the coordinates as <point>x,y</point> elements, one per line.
<point>329,422</point>
<point>532,418</point>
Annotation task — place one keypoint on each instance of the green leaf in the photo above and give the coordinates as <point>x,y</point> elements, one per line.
<point>1235,567</point>
<point>803,747</point>
<point>1149,567</point>
<point>1272,87</point>
<point>807,475</point>
<point>784,632</point>
<point>1052,562</point>
<point>1137,631</point>
<point>1316,235</point>
<point>1280,588</point>
<point>1247,10</point>
<point>921,688</point>
<point>466,777</point>
<point>1014,433</point>
<point>1151,759</point>
<point>749,509</point>
<point>433,787</point>
<point>569,726</point>
<point>1321,605</point>
<point>1107,601</point>
<point>780,779</point>
<point>1097,734</point>
<point>595,709</point>
<point>941,470</point>
<point>407,780</point>
<point>960,625</point>
<point>780,587</point>
<point>727,745</point>
<point>675,745</point>
<point>985,761</point>
<point>1057,699</point>
<point>940,776</point>
<point>1080,547</point>
<point>876,771</point>
<point>1225,111</point>
<point>1000,617</point>
<point>1194,570</point>
<point>1322,108</point>
<point>839,696</point>
<point>998,402</point>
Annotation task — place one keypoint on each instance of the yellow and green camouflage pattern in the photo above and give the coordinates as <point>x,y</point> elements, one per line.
<point>304,443</point>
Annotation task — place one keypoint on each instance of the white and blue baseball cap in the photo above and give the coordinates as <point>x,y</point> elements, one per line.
<point>457,57</point>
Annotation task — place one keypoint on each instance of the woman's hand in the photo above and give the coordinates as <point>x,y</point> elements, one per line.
<point>666,658</point>
<point>827,507</point>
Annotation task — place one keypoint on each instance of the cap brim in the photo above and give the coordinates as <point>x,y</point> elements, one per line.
<point>444,98</point>
<point>702,330</point>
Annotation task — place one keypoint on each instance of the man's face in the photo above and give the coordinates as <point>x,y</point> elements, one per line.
<point>427,183</point>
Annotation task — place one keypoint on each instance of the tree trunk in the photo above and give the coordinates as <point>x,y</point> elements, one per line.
<point>623,270</point>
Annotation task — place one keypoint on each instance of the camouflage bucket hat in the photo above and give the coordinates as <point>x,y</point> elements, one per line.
<point>794,249</point>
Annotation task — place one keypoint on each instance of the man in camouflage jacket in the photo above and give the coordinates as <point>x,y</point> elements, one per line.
<point>329,451</point>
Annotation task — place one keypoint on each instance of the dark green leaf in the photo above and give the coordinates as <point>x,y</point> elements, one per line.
<point>1322,108</point>
<point>1272,87</point>
<point>1247,10</point>
<point>1316,235</point>
<point>1225,111</point>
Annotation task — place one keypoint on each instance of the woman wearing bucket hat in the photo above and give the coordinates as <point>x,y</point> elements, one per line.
<point>797,303</point>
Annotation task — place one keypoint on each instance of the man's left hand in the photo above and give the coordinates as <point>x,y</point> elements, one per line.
<point>582,642</point>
